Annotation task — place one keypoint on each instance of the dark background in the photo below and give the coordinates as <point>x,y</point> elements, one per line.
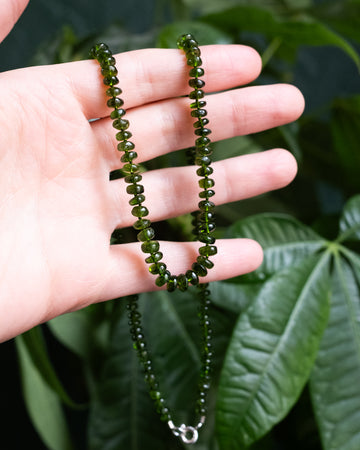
<point>320,72</point>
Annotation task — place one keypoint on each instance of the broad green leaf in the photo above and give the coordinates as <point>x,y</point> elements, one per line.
<point>271,353</point>
<point>35,345</point>
<point>204,33</point>
<point>350,220</point>
<point>42,403</point>
<point>123,415</point>
<point>234,297</point>
<point>300,30</point>
<point>335,378</point>
<point>285,241</point>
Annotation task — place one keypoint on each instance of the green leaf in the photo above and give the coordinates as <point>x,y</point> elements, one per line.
<point>123,415</point>
<point>285,241</point>
<point>298,30</point>
<point>35,345</point>
<point>271,353</point>
<point>42,403</point>
<point>204,33</point>
<point>350,220</point>
<point>234,297</point>
<point>335,377</point>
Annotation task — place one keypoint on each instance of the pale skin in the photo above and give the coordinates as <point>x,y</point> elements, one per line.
<point>57,205</point>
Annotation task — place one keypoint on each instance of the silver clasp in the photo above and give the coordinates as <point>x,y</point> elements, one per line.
<point>187,433</point>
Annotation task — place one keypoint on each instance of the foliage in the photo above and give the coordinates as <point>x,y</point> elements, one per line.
<point>288,332</point>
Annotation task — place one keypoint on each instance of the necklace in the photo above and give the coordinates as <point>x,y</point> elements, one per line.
<point>203,222</point>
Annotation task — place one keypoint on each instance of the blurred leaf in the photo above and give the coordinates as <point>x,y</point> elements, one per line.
<point>36,348</point>
<point>298,30</point>
<point>341,15</point>
<point>204,33</point>
<point>272,351</point>
<point>334,381</point>
<point>84,332</point>
<point>345,126</point>
<point>285,241</point>
<point>350,220</point>
<point>214,6</point>
<point>42,403</point>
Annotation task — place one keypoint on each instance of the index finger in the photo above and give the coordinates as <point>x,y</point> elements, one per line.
<point>150,75</point>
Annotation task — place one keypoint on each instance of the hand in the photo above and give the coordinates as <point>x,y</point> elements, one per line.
<point>57,205</point>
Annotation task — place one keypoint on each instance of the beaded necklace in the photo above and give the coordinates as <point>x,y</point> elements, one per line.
<point>203,222</point>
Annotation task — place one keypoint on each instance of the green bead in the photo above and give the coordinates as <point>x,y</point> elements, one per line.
<point>123,135</point>
<point>196,83</point>
<point>194,61</point>
<point>114,102</point>
<point>206,239</point>
<point>197,94</point>
<point>125,146</point>
<point>183,41</point>
<point>199,113</point>
<point>192,277</point>
<point>140,224</point>
<point>109,71</point>
<point>193,50</point>
<point>208,250</point>
<point>121,124</point>
<point>165,415</point>
<point>157,268</point>
<point>128,156</point>
<point>206,205</point>
<point>202,141</point>
<point>196,72</point>
<point>203,151</point>
<point>162,279</point>
<point>150,246</point>
<point>202,122</point>
<point>154,257</point>
<point>206,227</point>
<point>146,235</point>
<point>205,216</point>
<point>198,104</point>
<point>117,113</point>
<point>137,200</point>
<point>133,178</point>
<point>203,131</point>
<point>203,160</point>
<point>113,91</point>
<point>207,193</point>
<point>199,269</point>
<point>155,394</point>
<point>204,171</point>
<point>182,282</point>
<point>110,81</point>
<point>139,211</point>
<point>206,183</point>
<point>131,168</point>
<point>172,283</point>
<point>205,262</point>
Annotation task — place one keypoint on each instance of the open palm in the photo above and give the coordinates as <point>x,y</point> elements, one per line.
<point>57,205</point>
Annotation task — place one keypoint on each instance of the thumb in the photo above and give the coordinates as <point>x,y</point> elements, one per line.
<point>10,11</point>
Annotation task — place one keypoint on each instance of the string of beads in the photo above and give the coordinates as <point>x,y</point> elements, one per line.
<point>203,223</point>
